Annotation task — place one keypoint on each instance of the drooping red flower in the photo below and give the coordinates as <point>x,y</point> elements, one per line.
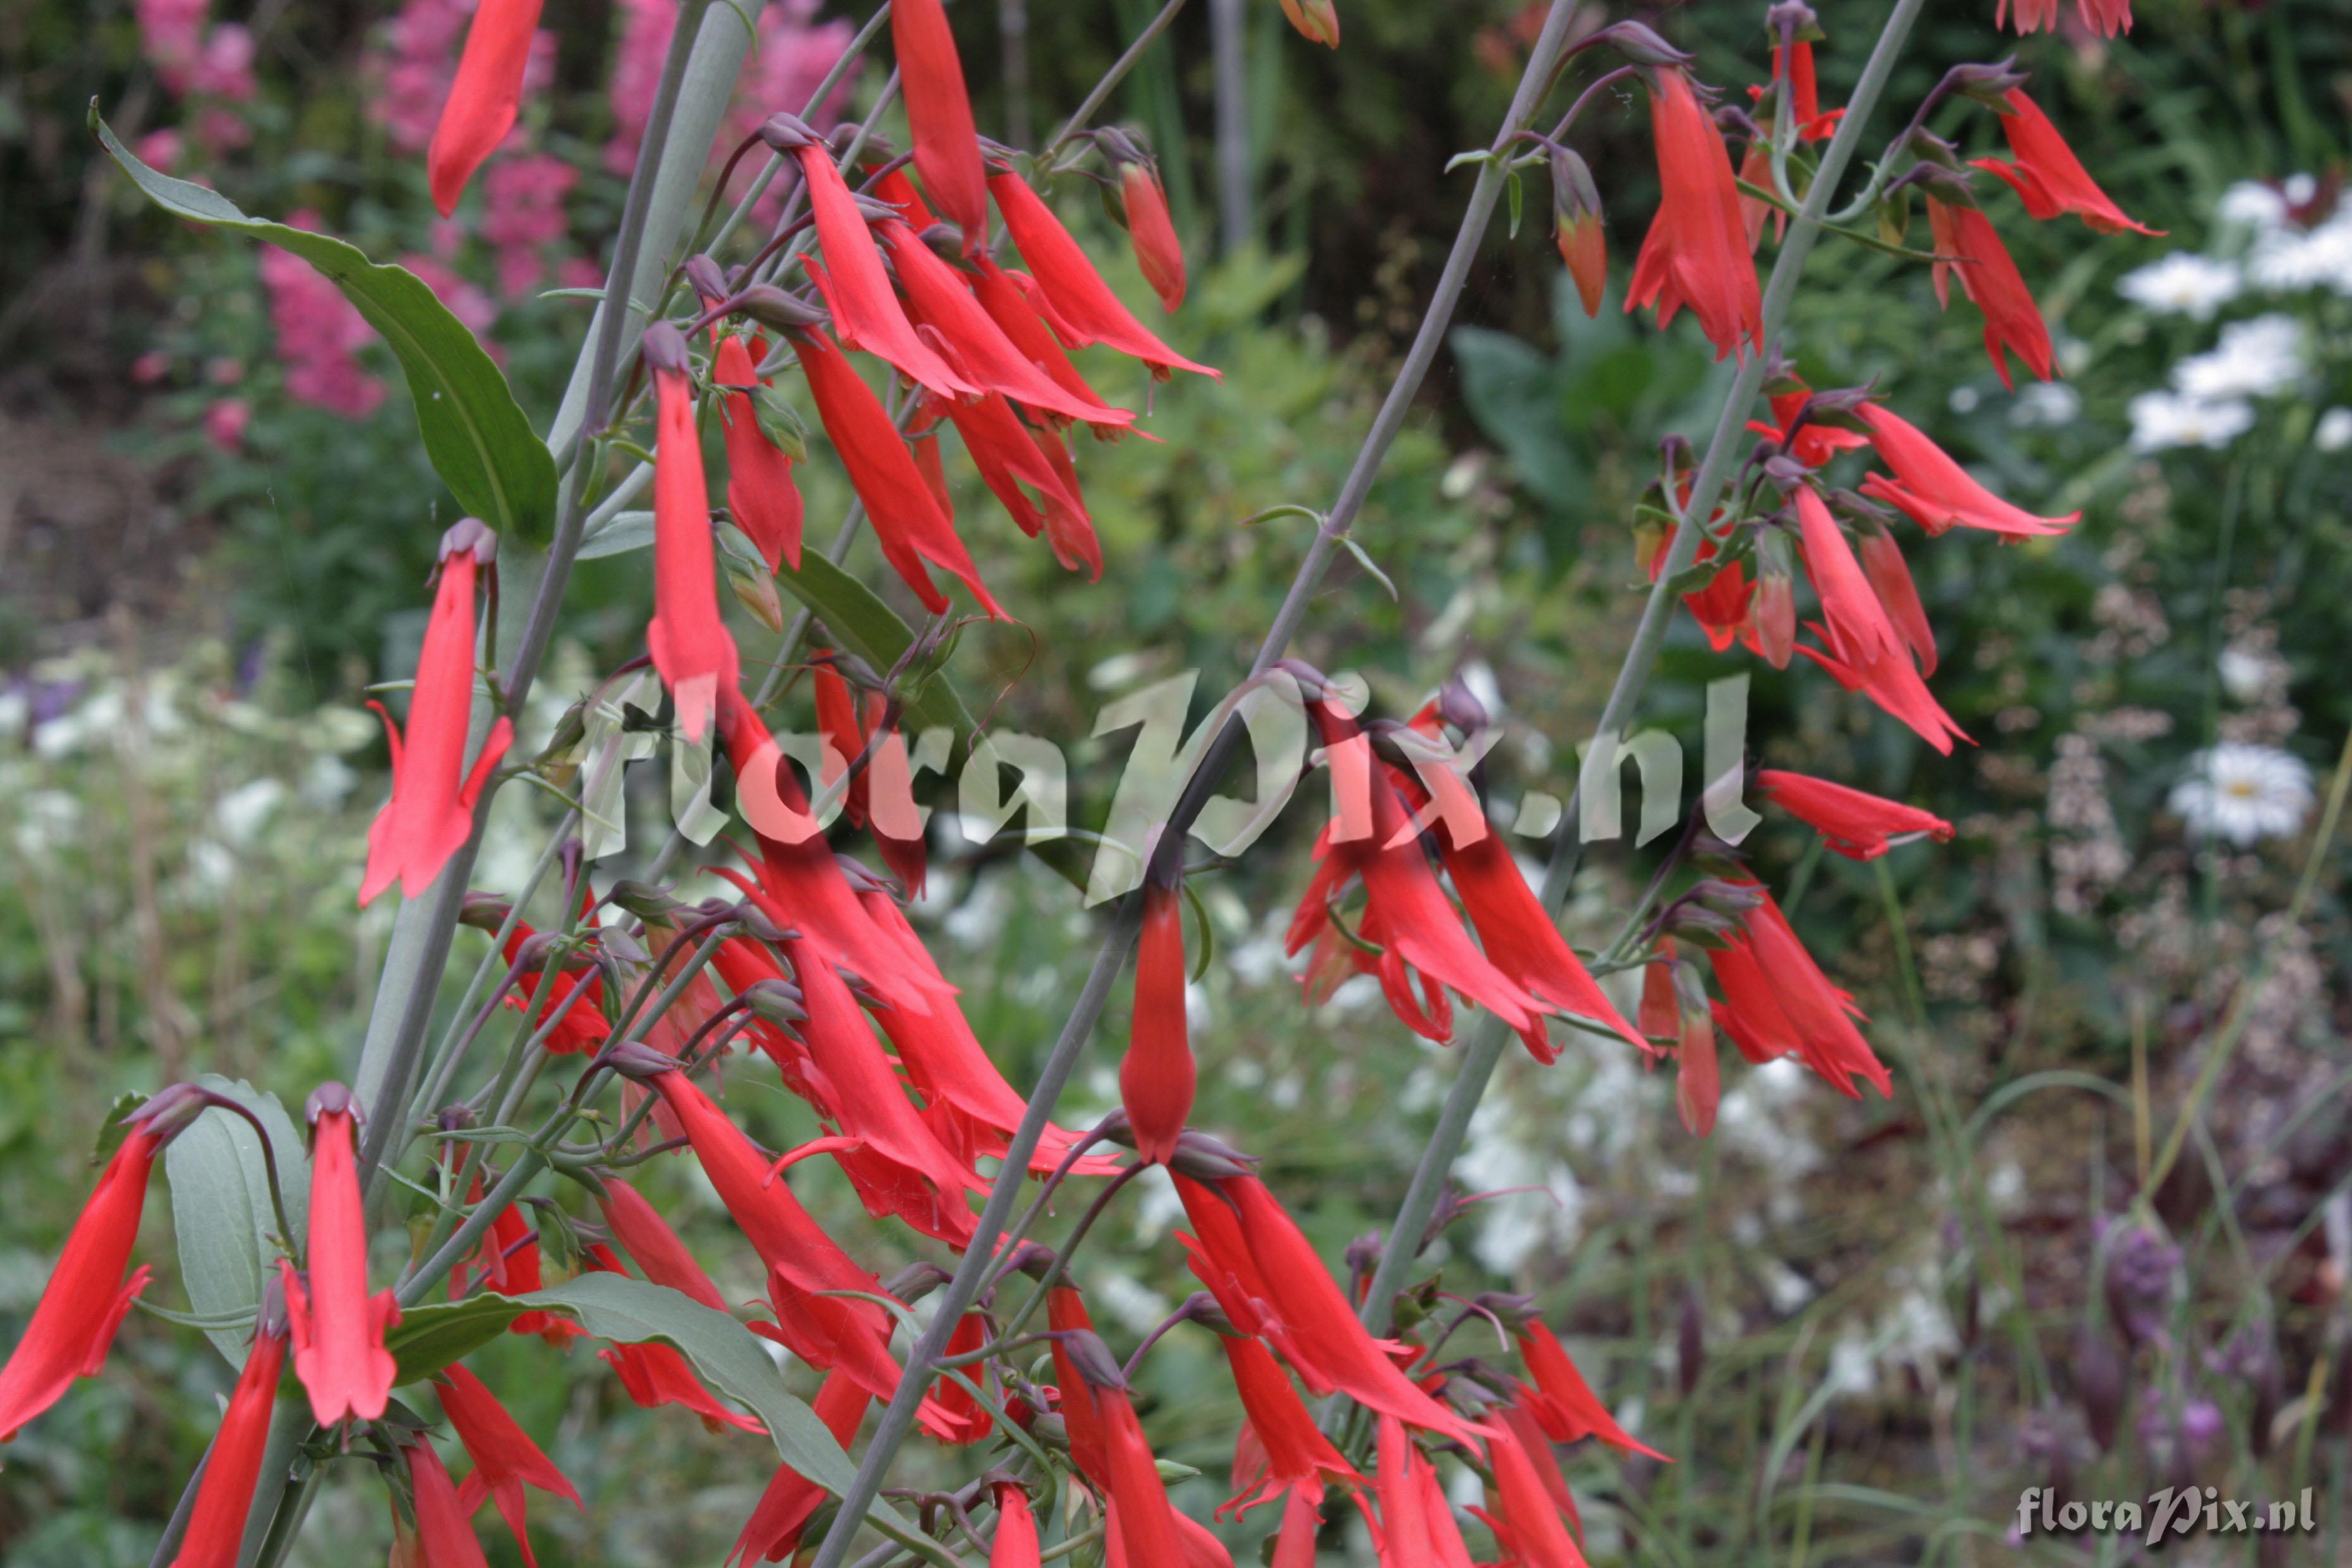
<point>216,1534</point>
<point>1811,123</point>
<point>655,1374</point>
<point>940,300</point>
<point>1858,825</point>
<point>578,998</point>
<point>1564,1404</point>
<point>1520,1416</point>
<point>2048,176</point>
<point>1008,305</point>
<point>938,112</point>
<point>972,1419</point>
<point>773,1533</point>
<point>1157,252</point>
<point>1302,1521</point>
<point>880,799</point>
<point>1082,303</point>
<point>1894,685</point>
<point>689,643</point>
<point>1416,1524</point>
<point>907,522</point>
<point>1406,914</point>
<point>1720,607</point>
<point>1290,1455</point>
<point>1696,251</point>
<point>431,811</point>
<point>1812,443</point>
<point>445,1530</point>
<point>1865,651</point>
<point>1992,283</point>
<point>2104,17</point>
<point>1065,1313</point>
<point>1936,491</point>
<point>761,494</point>
<point>1528,1516</point>
<point>1778,1003</point>
<point>484,99</point>
<point>87,1298</point>
<point>1317,21</point>
<point>1269,1280</point>
<point>1156,1075</point>
<point>1140,1514</point>
<point>856,286</point>
<point>505,1458</point>
<point>642,1232</point>
<point>1016,1544</point>
<point>1890,579</point>
<point>338,1327</point>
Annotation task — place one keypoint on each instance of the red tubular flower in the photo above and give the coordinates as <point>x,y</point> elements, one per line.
<point>761,494</point>
<point>689,643</point>
<point>1530,1514</point>
<point>1722,606</point>
<point>338,1327</point>
<point>972,1419</point>
<point>941,301</point>
<point>2048,176</point>
<point>642,1232</point>
<point>907,521</point>
<point>1293,1456</point>
<point>1302,1521</point>
<point>1080,298</point>
<point>938,112</point>
<point>483,100</point>
<point>1317,21</point>
<point>1520,1416</point>
<point>1806,99</point>
<point>655,1374</point>
<point>1857,825</point>
<point>1065,1313</point>
<point>1697,252</point>
<point>1894,685</point>
<point>1140,1509</point>
<point>505,1458</point>
<point>1267,1277</point>
<point>431,811</point>
<point>216,1534</point>
<point>445,1530</point>
<point>578,998</point>
<point>1417,1527</point>
<point>1157,252</point>
<point>1859,632</point>
<point>1936,491</point>
<point>1890,579</point>
<point>1780,1001</point>
<point>1016,1544</point>
<point>2105,17</point>
<point>87,1298</point>
<point>1008,305</point>
<point>1991,281</point>
<point>850,734</point>
<point>1564,1404</point>
<point>1003,449</point>
<point>1698,1076</point>
<point>856,286</point>
<point>1156,1075</point>
<point>773,1533</point>
<point>1812,443</point>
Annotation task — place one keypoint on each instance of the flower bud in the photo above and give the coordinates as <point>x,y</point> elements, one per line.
<point>1772,613</point>
<point>1317,21</point>
<point>1034,1258</point>
<point>1989,85</point>
<point>330,1099</point>
<point>635,1059</point>
<point>787,133</point>
<point>759,926</point>
<point>776,1001</point>
<point>1206,1159</point>
<point>1637,44</point>
<point>664,347</point>
<point>1794,20</point>
<point>483,912</point>
<point>470,535</point>
<point>708,279</point>
<point>1577,228</point>
<point>643,899</point>
<point>773,306</point>
<point>915,1281</point>
<point>1091,1357</point>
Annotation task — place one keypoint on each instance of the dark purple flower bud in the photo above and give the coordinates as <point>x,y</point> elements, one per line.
<point>2099,1384</point>
<point>2141,1267</point>
<point>915,1281</point>
<point>708,278</point>
<point>773,306</point>
<point>787,133</point>
<point>1989,85</point>
<point>664,349</point>
<point>1091,1357</point>
<point>483,912</point>
<point>1637,43</point>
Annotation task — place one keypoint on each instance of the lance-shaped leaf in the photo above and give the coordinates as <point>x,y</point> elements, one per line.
<point>221,1212</point>
<point>480,441</point>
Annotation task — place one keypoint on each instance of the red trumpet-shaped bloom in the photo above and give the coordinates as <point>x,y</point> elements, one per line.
<point>856,286</point>
<point>1087,309</point>
<point>445,1531</point>
<point>655,1374</point>
<point>1858,825</point>
<point>1776,1002</point>
<point>1008,305</point>
<point>1291,1456</point>
<point>1011,454</point>
<point>1157,252</point>
<point>1936,491</point>
<point>86,1297</point>
<point>1065,1313</point>
<point>907,521</point>
<point>1563,1403</point>
<point>972,1419</point>
<point>2048,176</point>
<point>773,1533</point>
<point>1156,1077</point>
<point>431,811</point>
<point>338,1327</point>
<point>761,494</point>
<point>216,1534</point>
<point>505,1458</point>
<point>1416,1524</point>
<point>938,112</point>
<point>1269,1280</point>
<point>579,998</point>
<point>1016,1544</point>
<point>1990,279</point>
<point>1519,1417</point>
<point>484,99</point>
<point>1406,914</point>
<point>873,799</point>
<point>645,1235</point>
<point>940,300</point>
<point>1866,653</point>
<point>689,643</point>
<point>507,1263</point>
<point>1890,579</point>
<point>1696,251</point>
<point>2105,17</point>
<point>1317,21</point>
<point>1140,1509</point>
<point>1529,1516</point>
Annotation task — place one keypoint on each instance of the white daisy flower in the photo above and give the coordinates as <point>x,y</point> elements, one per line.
<point>2250,203</point>
<point>2334,431</point>
<point>2162,420</point>
<point>2253,359</point>
<point>2244,794</point>
<point>2285,260</point>
<point>2183,284</point>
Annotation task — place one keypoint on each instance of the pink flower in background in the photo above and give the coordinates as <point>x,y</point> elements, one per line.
<point>159,150</point>
<point>151,367</point>
<point>319,333</point>
<point>579,272</point>
<point>522,214</point>
<point>225,424</point>
<point>221,370</point>
<point>792,58</point>
<point>170,35</point>
<point>224,67</point>
<point>415,71</point>
<point>221,131</point>
<point>645,28</point>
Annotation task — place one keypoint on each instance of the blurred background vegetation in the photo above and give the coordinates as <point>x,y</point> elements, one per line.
<point>1861,1327</point>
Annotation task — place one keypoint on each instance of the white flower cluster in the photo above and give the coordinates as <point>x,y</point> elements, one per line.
<point>2273,253</point>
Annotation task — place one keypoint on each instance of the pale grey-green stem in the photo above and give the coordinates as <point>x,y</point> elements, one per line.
<point>1488,1038</point>
<point>897,1418</point>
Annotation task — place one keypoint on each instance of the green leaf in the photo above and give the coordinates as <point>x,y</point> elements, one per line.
<point>623,1310</point>
<point>480,441</point>
<point>860,622</point>
<point>627,530</point>
<point>220,1204</point>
